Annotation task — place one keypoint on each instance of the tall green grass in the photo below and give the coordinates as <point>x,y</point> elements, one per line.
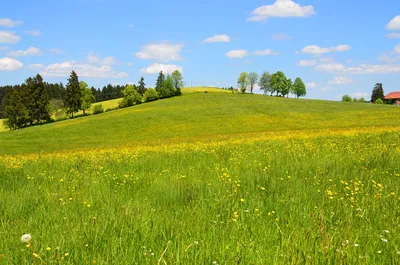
<point>323,200</point>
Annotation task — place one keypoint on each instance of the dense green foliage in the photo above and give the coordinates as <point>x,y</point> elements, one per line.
<point>265,83</point>
<point>243,82</point>
<point>97,109</point>
<point>150,95</point>
<point>377,93</point>
<point>160,81</point>
<point>177,81</point>
<point>346,98</point>
<point>141,88</point>
<point>87,96</point>
<point>298,88</point>
<point>131,97</point>
<point>279,83</point>
<point>73,95</point>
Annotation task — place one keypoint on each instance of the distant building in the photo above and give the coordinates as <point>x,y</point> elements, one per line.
<point>394,97</point>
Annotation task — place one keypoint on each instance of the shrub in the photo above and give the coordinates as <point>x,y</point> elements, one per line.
<point>378,101</point>
<point>98,109</point>
<point>150,95</point>
<point>355,100</point>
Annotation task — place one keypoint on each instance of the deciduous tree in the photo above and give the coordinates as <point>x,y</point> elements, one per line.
<point>243,81</point>
<point>265,83</point>
<point>298,88</point>
<point>177,81</point>
<point>279,83</point>
<point>253,78</point>
<point>87,96</point>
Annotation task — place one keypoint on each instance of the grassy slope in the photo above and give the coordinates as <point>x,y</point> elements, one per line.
<point>192,117</point>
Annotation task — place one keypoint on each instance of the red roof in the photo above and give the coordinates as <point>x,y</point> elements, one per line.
<point>393,95</point>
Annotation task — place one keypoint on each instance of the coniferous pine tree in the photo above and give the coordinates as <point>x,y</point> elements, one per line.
<point>377,93</point>
<point>160,81</point>
<point>37,100</point>
<point>15,110</point>
<point>141,88</point>
<point>73,95</point>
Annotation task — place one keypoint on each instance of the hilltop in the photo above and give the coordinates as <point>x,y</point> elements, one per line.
<point>195,116</point>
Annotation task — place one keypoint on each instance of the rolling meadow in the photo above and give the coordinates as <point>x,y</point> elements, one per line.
<point>206,178</point>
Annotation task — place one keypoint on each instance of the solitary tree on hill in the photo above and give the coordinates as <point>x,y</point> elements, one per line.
<point>73,95</point>
<point>243,81</point>
<point>377,93</point>
<point>253,78</point>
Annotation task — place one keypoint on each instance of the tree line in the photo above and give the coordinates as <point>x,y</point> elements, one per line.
<point>275,83</point>
<point>377,96</point>
<point>35,101</point>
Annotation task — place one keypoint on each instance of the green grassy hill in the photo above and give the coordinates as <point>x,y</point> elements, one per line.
<point>195,116</point>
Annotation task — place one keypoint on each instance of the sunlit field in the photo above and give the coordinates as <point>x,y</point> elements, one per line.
<point>205,178</point>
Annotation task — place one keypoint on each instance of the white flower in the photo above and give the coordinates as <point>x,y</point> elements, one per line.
<point>384,240</point>
<point>356,245</point>
<point>386,231</point>
<point>380,251</point>
<point>26,238</point>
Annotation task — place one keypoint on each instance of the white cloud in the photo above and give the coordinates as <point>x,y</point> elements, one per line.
<point>373,69</point>
<point>82,69</point>
<point>34,32</point>
<point>281,36</point>
<point>36,66</point>
<point>397,48</point>
<point>32,51</point>
<point>312,85</point>
<point>129,64</point>
<point>333,67</point>
<point>155,68</point>
<point>314,49</point>
<point>394,24</point>
<point>265,53</point>
<point>94,59</point>
<point>360,95</point>
<point>341,80</point>
<point>326,60</point>
<point>9,37</point>
<point>123,74</point>
<point>393,36</point>
<point>237,54</point>
<point>160,51</point>
<point>217,38</point>
<point>325,89</point>
<point>281,8</point>
<point>56,51</point>
<point>6,22</point>
<point>307,63</point>
<point>9,64</point>
<point>4,48</point>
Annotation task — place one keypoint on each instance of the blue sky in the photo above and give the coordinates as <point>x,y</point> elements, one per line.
<point>336,47</point>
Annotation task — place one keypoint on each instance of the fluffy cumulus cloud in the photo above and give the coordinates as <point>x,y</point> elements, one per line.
<point>155,68</point>
<point>281,36</point>
<point>314,49</point>
<point>373,69</point>
<point>34,32</point>
<point>56,51</point>
<point>160,51</point>
<point>332,67</point>
<point>6,22</point>
<point>9,37</point>
<point>217,38</point>
<point>265,53</point>
<point>394,24</point>
<point>32,51</point>
<point>360,95</point>
<point>237,54</point>
<point>281,8</point>
<point>82,69</point>
<point>36,66</point>
<point>94,59</point>
<point>397,48</point>
<point>312,85</point>
<point>393,36</point>
<point>9,64</point>
<point>307,63</point>
<point>341,80</point>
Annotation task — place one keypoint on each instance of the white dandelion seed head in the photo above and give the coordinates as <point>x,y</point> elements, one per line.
<point>26,238</point>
